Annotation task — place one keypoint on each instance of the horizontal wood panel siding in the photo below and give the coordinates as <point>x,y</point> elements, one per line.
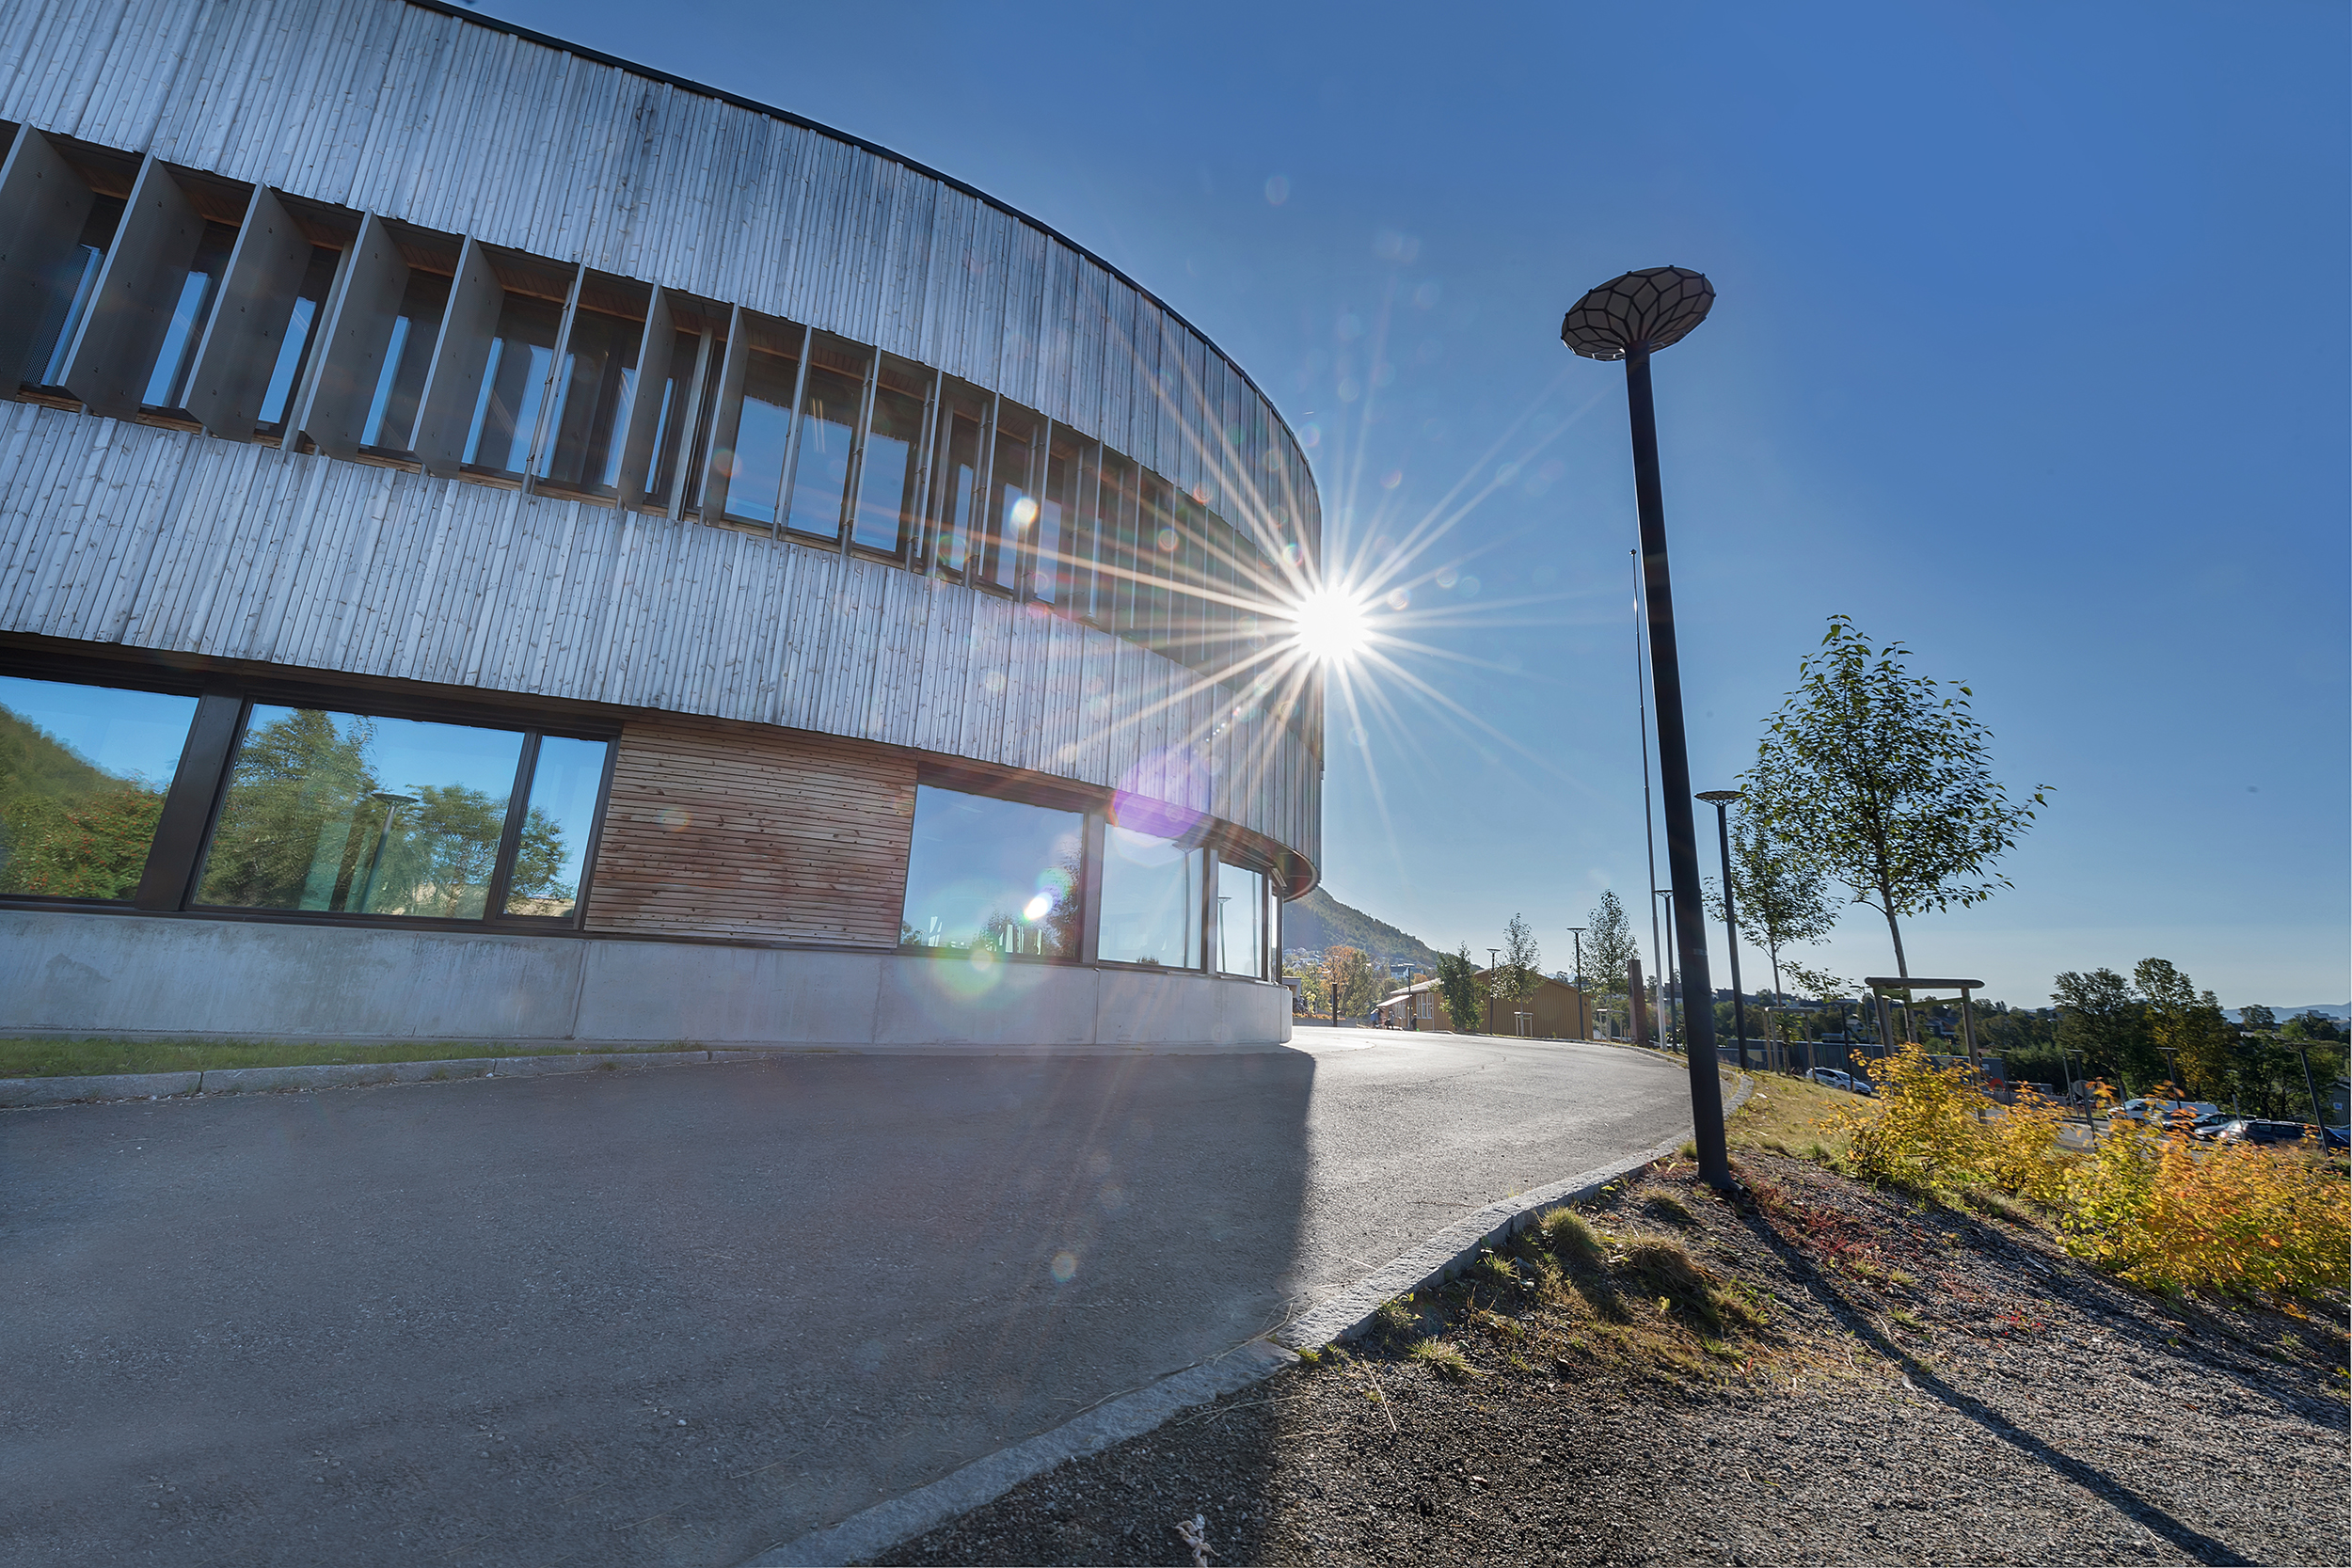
<point>153,538</point>
<point>393,108</point>
<point>720,830</point>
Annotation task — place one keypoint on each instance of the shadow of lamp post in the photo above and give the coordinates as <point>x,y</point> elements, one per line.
<point>1630,318</point>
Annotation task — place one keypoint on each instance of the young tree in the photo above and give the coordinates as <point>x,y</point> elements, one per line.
<point>1882,781</point>
<point>2202,1046</point>
<point>1608,947</point>
<point>1351,983</point>
<point>1521,972</point>
<point>1458,989</point>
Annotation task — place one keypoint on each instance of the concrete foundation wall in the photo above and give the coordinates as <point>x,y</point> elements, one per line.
<point>129,974</point>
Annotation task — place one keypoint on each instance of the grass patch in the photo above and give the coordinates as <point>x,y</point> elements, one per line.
<point>1788,1115</point>
<point>1441,1358</point>
<point>83,1058</point>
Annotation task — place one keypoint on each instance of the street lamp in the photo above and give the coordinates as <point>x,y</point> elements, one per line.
<point>1584,1019</point>
<point>1630,318</point>
<point>391,801</point>
<point>1491,987</point>
<point>1719,799</point>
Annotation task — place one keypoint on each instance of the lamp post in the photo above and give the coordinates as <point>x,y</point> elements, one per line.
<point>1672,1004</point>
<point>1584,1019</point>
<point>1721,800</point>
<point>391,801</point>
<point>1630,318</point>
<point>1491,987</point>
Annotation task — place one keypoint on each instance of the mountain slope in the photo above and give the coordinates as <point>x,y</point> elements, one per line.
<point>1320,920</point>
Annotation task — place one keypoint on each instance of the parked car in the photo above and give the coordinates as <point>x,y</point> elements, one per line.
<point>2208,1126</point>
<point>2335,1137</point>
<point>1831,1076</point>
<point>2252,1129</point>
<point>2162,1110</point>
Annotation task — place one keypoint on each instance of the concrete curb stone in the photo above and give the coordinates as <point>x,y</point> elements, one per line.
<point>22,1092</point>
<point>874,1530</point>
<point>112,1085</point>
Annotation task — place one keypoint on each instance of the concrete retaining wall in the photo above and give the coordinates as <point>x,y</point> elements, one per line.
<point>131,974</point>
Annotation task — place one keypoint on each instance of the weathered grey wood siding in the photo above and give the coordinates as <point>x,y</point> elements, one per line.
<point>152,538</point>
<point>393,108</point>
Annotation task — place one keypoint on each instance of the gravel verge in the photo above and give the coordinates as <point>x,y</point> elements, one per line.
<point>1808,1371</point>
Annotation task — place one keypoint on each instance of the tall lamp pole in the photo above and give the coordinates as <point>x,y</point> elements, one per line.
<point>1719,799</point>
<point>1491,987</point>
<point>1583,1018</point>
<point>1630,318</point>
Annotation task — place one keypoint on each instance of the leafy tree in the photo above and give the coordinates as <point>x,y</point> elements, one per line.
<point>2258,1018</point>
<point>292,833</point>
<point>1458,989</point>
<point>2099,1016</point>
<point>2312,1026</point>
<point>2203,1047</point>
<point>1351,987</point>
<point>1882,781</point>
<point>1609,948</point>
<point>1521,970</point>
<point>68,828</point>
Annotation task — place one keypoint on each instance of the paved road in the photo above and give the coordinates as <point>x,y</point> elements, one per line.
<point>681,1315</point>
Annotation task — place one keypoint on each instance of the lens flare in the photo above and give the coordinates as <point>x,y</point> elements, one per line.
<point>1331,626</point>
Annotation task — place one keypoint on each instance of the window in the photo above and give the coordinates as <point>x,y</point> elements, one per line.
<point>1425,1005</point>
<point>345,812</point>
<point>958,486</point>
<point>513,384</point>
<point>1241,911</point>
<point>829,414</point>
<point>65,299</point>
<point>888,502</point>
<point>1057,578</point>
<point>763,431</point>
<point>294,351</point>
<point>168,383</point>
<point>593,397</point>
<point>1012,510</point>
<point>1151,900</point>
<point>391,421</point>
<point>995,875</point>
<point>83,774</point>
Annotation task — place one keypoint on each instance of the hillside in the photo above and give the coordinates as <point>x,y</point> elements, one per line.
<point>1320,920</point>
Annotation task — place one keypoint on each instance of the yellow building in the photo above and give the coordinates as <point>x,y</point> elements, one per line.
<point>1555,1011</point>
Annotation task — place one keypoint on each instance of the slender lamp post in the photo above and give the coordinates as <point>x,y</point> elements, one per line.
<point>1671,983</point>
<point>1719,799</point>
<point>1491,987</point>
<point>1583,1020</point>
<point>1630,318</point>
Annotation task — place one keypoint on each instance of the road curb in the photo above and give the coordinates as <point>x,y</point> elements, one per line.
<point>874,1530</point>
<point>23,1092</point>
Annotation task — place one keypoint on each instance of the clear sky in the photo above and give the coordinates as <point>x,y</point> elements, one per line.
<point>2029,351</point>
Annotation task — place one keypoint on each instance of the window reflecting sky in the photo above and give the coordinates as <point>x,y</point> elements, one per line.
<point>131,734</point>
<point>978,863</point>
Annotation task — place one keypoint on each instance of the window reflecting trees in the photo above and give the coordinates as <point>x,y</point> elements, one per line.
<point>83,774</point>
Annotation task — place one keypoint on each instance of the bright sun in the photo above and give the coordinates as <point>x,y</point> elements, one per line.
<point>1332,627</point>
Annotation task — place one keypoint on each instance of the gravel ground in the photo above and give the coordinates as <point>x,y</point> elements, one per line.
<point>1845,1377</point>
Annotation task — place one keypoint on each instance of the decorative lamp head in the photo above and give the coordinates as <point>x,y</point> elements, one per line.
<point>1646,310</point>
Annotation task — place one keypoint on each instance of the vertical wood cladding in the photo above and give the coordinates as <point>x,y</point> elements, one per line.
<point>722,829</point>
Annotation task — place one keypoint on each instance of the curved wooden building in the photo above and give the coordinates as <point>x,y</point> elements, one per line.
<point>496,542</point>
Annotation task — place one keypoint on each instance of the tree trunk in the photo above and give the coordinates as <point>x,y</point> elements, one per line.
<point>1902,965</point>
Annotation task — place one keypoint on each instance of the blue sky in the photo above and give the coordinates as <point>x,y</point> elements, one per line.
<point>2029,352</point>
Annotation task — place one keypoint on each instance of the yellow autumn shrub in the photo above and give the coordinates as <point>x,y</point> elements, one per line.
<point>2145,1201</point>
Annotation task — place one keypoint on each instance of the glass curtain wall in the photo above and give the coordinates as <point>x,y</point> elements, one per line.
<point>349,813</point>
<point>1152,890</point>
<point>1011,509</point>
<point>1241,920</point>
<point>83,774</point>
<point>992,875</point>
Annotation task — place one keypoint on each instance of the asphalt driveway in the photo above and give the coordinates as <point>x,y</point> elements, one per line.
<point>683,1314</point>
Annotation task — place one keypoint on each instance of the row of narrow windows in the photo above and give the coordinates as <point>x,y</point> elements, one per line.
<point>145,292</point>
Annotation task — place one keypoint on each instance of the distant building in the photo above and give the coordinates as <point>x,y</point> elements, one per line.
<point>1555,1011</point>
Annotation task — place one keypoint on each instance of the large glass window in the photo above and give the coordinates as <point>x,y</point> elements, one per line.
<point>83,774</point>
<point>347,813</point>
<point>565,779</point>
<point>1012,510</point>
<point>1058,521</point>
<point>1151,900</point>
<point>959,489</point>
<point>985,873</point>
<point>828,413</point>
<point>887,501</point>
<point>1241,920</point>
